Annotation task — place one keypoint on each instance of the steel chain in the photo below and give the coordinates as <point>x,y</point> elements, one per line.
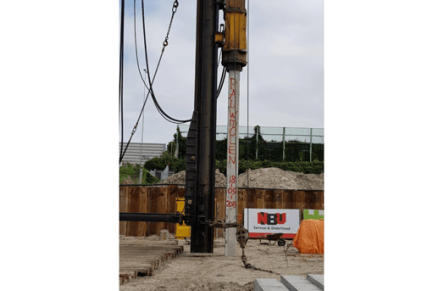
<point>242,238</point>
<point>174,9</point>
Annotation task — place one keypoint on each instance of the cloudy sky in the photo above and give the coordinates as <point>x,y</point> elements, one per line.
<point>286,74</point>
<point>59,124</point>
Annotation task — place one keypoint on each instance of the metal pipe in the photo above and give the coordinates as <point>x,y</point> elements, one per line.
<point>311,144</point>
<point>283,145</point>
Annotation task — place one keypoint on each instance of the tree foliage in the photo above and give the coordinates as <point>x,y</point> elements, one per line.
<point>129,174</point>
<point>166,159</point>
<point>269,154</point>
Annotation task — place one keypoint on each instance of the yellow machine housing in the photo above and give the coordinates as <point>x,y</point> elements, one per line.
<point>234,51</point>
<point>182,231</point>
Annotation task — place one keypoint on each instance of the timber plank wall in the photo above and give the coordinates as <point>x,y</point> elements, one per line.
<point>162,199</point>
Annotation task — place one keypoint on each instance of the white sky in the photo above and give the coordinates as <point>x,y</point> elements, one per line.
<point>286,74</point>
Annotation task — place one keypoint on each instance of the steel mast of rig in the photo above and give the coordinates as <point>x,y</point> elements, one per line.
<point>201,138</point>
<point>200,144</point>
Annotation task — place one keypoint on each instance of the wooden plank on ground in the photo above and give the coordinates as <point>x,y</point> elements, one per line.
<point>139,257</point>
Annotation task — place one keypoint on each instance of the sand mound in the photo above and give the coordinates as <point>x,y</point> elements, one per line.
<point>275,178</point>
<point>179,178</point>
<point>271,178</point>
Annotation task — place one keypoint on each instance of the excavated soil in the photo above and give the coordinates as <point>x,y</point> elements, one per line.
<point>275,178</point>
<point>272,178</point>
<point>179,178</point>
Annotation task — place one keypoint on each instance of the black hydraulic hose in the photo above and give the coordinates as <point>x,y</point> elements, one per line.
<point>148,71</point>
<point>122,24</point>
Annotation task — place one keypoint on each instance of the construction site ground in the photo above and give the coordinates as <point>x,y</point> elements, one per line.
<point>190,271</point>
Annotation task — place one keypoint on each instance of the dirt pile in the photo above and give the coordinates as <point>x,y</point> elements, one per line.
<point>275,178</point>
<point>310,181</point>
<point>272,178</point>
<point>179,178</point>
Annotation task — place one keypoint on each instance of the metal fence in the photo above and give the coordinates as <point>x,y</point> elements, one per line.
<point>310,140</point>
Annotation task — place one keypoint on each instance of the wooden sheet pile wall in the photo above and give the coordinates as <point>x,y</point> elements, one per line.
<point>162,199</point>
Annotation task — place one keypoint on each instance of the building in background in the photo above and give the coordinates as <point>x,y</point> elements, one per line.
<point>135,154</point>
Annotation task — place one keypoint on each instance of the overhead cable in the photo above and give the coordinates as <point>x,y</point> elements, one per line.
<point>165,43</point>
<point>164,114</point>
<point>122,23</point>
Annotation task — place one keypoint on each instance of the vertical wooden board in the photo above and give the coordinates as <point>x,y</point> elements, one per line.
<point>133,207</point>
<point>269,199</point>
<point>162,207</point>
<point>219,209</point>
<point>310,199</point>
<point>154,208</point>
<point>259,198</point>
<point>241,205</point>
<point>128,203</point>
<point>141,225</point>
<point>148,208</point>
<point>317,200</point>
<point>299,202</point>
<point>294,197</point>
<point>300,199</point>
<point>250,198</point>
<point>123,207</point>
<point>278,198</point>
<point>172,196</point>
<point>221,202</point>
<point>181,191</point>
<point>287,199</point>
<point>321,193</point>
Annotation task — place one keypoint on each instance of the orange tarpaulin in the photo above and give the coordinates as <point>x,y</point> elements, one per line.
<point>310,237</point>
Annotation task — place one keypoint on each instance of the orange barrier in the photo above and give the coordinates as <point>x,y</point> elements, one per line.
<point>310,237</point>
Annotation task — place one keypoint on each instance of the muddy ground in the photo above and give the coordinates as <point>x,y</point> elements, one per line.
<point>217,272</point>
